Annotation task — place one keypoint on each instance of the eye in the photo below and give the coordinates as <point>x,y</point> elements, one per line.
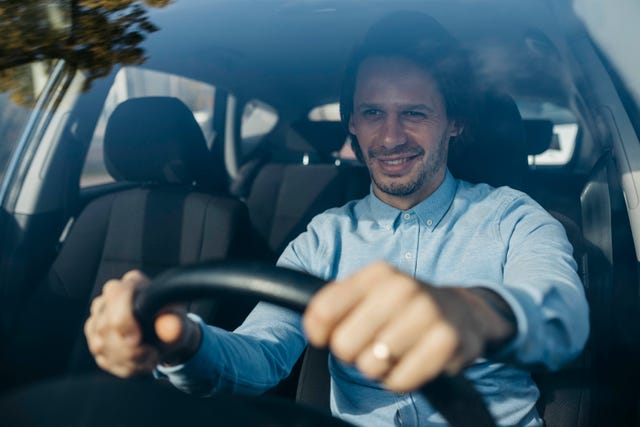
<point>416,115</point>
<point>371,112</point>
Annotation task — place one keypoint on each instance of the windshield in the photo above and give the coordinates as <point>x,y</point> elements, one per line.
<point>20,89</point>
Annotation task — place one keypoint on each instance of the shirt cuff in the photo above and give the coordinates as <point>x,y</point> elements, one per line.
<point>192,364</point>
<point>511,349</point>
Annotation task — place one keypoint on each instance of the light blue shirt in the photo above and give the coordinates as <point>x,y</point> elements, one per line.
<point>461,235</point>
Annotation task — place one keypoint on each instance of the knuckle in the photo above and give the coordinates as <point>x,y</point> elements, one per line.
<point>369,367</point>
<point>136,277</point>
<point>320,312</point>
<point>342,346</point>
<point>449,336</point>
<point>122,372</point>
<point>104,363</point>
<point>88,326</point>
<point>428,306</point>
<point>96,346</point>
<point>96,303</point>
<point>407,287</point>
<point>110,286</point>
<point>403,384</point>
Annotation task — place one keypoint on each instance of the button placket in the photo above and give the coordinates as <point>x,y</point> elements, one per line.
<point>410,226</point>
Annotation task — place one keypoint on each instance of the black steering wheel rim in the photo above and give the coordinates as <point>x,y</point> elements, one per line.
<point>453,396</point>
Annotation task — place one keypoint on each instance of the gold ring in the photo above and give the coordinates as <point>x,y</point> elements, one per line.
<point>382,352</point>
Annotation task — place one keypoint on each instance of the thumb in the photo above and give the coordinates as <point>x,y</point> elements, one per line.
<point>169,328</point>
<point>179,337</point>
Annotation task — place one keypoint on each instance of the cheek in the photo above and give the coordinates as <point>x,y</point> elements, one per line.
<point>365,134</point>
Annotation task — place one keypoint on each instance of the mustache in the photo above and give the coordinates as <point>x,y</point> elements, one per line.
<point>399,150</point>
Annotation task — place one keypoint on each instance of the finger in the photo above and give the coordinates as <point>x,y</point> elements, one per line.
<point>169,327</point>
<point>326,309</point>
<point>109,285</point>
<point>119,352</point>
<point>333,302</point>
<point>128,368</point>
<point>399,335</point>
<point>425,361</point>
<point>97,305</point>
<point>94,340</point>
<point>119,313</point>
<point>376,309</point>
<point>132,278</point>
<point>136,278</point>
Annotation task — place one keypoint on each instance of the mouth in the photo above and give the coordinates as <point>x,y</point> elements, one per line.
<point>397,165</point>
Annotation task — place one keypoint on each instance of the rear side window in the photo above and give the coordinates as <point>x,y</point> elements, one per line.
<point>331,113</point>
<point>134,82</point>
<point>563,137</point>
<point>258,119</point>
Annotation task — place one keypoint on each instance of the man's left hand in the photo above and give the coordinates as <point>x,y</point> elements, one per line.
<point>402,331</point>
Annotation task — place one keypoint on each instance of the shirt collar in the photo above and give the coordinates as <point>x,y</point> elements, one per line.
<point>429,211</point>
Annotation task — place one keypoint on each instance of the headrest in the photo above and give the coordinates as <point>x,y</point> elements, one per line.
<point>326,137</point>
<point>157,139</point>
<point>495,152</point>
<point>539,134</point>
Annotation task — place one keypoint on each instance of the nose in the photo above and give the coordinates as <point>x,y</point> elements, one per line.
<point>392,131</point>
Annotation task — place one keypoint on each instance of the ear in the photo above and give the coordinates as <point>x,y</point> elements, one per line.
<point>455,129</point>
<point>352,128</point>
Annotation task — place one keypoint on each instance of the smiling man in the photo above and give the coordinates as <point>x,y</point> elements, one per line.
<point>401,124</point>
<point>430,274</point>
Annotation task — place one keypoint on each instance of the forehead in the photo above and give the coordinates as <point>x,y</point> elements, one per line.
<point>385,79</point>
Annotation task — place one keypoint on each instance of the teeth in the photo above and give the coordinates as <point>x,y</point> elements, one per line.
<point>395,162</point>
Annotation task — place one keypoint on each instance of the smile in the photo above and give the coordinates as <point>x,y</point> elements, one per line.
<point>398,165</point>
<point>398,161</point>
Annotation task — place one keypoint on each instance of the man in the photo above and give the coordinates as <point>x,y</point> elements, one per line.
<point>432,274</point>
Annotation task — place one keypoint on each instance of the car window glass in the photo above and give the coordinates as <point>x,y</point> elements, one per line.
<point>134,82</point>
<point>258,119</point>
<point>331,112</point>
<point>20,88</point>
<point>565,132</point>
<point>325,112</point>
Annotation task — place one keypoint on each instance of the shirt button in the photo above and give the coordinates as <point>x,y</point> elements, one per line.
<point>429,222</point>
<point>407,216</point>
<point>408,255</point>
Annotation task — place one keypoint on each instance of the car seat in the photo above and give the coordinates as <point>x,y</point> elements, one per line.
<point>176,211</point>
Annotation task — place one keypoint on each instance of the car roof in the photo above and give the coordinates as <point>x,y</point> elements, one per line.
<point>255,48</point>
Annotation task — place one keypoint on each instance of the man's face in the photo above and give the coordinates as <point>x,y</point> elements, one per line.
<point>400,120</point>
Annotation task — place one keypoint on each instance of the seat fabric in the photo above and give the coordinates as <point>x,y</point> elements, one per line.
<point>173,216</point>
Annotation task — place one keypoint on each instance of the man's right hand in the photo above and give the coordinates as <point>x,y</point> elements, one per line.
<point>115,337</point>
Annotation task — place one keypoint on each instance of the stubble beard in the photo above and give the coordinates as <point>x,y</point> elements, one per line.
<point>432,167</point>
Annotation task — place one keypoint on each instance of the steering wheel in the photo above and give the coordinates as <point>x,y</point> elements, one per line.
<point>102,400</point>
<point>453,396</point>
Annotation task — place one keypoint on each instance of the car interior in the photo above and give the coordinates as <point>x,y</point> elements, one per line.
<point>212,146</point>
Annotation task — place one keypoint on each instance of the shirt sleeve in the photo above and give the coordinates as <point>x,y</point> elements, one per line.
<point>258,354</point>
<point>250,360</point>
<point>542,287</point>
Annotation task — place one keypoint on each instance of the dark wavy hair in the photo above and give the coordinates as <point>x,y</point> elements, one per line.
<point>420,39</point>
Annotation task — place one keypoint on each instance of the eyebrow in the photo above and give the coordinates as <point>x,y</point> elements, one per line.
<point>366,105</point>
